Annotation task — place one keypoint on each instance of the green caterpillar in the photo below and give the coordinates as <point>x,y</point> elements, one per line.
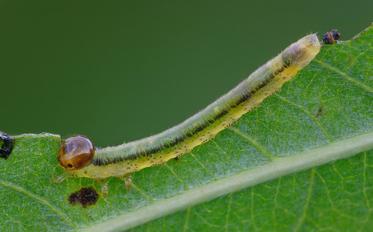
<point>78,156</point>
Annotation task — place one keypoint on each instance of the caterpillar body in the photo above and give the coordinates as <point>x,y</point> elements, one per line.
<point>124,159</point>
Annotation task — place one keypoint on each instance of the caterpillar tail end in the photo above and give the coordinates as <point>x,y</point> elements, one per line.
<point>302,52</point>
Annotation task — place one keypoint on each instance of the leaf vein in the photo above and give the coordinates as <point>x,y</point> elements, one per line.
<point>302,218</point>
<point>40,199</point>
<point>253,142</point>
<point>345,75</point>
<point>313,118</point>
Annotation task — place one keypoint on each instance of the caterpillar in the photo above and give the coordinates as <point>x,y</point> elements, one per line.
<point>78,156</point>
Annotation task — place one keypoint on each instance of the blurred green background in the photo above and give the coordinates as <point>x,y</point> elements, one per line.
<point>121,70</point>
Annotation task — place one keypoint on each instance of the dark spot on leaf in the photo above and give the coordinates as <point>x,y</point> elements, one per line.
<point>331,37</point>
<point>319,112</point>
<point>6,145</point>
<point>85,197</point>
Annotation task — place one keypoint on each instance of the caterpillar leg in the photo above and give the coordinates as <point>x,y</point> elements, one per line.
<point>105,189</point>
<point>60,178</point>
<point>127,179</point>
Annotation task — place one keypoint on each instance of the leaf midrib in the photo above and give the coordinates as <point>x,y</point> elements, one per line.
<point>277,168</point>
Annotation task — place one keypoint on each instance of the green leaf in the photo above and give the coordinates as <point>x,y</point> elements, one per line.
<point>322,116</point>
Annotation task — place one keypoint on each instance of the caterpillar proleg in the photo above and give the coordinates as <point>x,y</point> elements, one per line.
<point>133,156</point>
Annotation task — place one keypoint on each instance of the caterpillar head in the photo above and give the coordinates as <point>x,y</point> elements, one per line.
<point>76,153</point>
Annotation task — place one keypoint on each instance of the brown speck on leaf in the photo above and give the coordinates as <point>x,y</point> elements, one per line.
<point>6,145</point>
<point>85,197</point>
<point>319,112</point>
<point>331,37</point>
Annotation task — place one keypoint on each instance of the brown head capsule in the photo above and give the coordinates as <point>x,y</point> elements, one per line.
<point>76,152</point>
